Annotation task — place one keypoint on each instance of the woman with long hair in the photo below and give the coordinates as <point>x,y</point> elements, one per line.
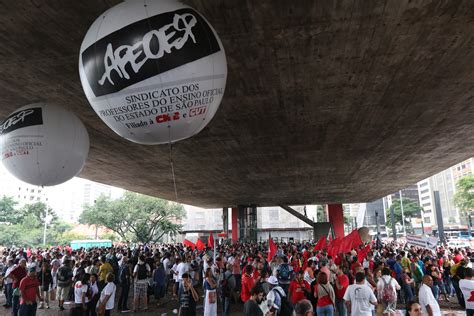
<point>324,292</point>
<point>210,300</point>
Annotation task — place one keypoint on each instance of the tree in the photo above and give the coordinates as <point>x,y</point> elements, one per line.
<point>143,218</point>
<point>39,211</point>
<point>321,214</point>
<point>410,209</point>
<point>464,197</point>
<point>8,213</point>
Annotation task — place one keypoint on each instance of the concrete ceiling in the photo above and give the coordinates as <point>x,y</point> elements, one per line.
<point>326,101</point>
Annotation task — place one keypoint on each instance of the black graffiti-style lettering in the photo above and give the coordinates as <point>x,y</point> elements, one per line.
<point>117,60</point>
<point>15,118</point>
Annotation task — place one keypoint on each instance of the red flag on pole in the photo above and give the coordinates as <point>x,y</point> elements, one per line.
<point>321,244</point>
<point>200,245</point>
<point>188,243</point>
<point>361,255</point>
<point>210,241</point>
<point>272,249</point>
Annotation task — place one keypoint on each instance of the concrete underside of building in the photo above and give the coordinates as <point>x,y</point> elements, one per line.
<point>326,101</point>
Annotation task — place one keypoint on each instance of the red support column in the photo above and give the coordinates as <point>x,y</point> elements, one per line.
<point>336,218</point>
<point>235,226</point>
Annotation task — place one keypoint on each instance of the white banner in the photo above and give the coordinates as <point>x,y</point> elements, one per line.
<point>423,241</point>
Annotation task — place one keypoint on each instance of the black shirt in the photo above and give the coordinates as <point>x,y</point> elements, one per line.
<point>187,304</point>
<point>251,308</point>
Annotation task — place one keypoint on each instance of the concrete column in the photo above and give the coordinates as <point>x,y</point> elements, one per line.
<point>225,221</point>
<point>235,226</point>
<point>336,218</point>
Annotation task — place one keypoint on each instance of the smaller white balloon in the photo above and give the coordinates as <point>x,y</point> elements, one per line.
<point>43,144</point>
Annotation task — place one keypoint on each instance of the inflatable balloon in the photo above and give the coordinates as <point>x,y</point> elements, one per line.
<point>43,144</point>
<point>154,71</point>
<point>364,233</point>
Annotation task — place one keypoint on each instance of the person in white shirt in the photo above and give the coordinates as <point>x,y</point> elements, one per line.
<point>387,280</point>
<point>107,296</point>
<point>359,297</point>
<point>466,286</point>
<point>428,303</point>
<point>80,293</point>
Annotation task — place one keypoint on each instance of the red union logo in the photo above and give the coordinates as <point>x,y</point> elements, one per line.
<point>197,111</point>
<point>163,118</point>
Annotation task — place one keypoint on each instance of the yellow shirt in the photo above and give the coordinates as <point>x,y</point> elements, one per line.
<point>104,270</point>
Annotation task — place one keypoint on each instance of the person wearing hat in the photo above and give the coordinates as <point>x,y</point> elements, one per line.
<point>29,288</point>
<point>276,293</point>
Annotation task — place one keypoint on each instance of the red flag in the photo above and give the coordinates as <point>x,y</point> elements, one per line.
<point>321,244</point>
<point>188,243</point>
<point>333,248</point>
<point>200,245</point>
<point>361,255</point>
<point>210,241</point>
<point>272,249</point>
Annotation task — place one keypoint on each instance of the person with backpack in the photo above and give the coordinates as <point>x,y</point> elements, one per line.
<point>124,281</point>
<point>278,297</point>
<point>226,289</point>
<point>141,272</point>
<point>64,282</point>
<point>387,288</point>
<point>284,274</point>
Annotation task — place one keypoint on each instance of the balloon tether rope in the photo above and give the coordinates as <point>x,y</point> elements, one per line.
<point>171,163</point>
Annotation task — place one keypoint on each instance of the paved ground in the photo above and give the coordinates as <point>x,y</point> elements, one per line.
<point>169,307</point>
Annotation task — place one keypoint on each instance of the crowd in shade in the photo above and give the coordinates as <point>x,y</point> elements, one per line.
<point>327,277</point>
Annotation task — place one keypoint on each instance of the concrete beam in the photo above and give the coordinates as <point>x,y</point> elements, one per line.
<point>297,215</point>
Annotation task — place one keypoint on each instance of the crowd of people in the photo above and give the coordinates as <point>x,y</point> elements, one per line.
<point>297,280</point>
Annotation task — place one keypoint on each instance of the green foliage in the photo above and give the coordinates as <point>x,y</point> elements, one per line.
<point>134,216</point>
<point>24,227</point>
<point>410,209</point>
<point>464,197</point>
<point>8,212</point>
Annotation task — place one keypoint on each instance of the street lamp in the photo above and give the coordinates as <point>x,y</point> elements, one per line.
<point>47,220</point>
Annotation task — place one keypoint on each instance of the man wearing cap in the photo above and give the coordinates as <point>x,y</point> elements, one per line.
<point>276,292</point>
<point>29,288</point>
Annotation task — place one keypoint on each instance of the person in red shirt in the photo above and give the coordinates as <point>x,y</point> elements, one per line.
<point>247,284</point>
<point>298,289</point>
<point>324,292</point>
<point>29,288</point>
<point>17,275</point>
<point>342,282</point>
<point>457,256</point>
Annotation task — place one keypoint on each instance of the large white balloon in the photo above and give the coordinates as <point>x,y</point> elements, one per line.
<point>43,144</point>
<point>154,71</point>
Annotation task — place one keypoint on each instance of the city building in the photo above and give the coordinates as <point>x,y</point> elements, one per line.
<point>66,200</point>
<point>273,221</point>
<point>445,183</point>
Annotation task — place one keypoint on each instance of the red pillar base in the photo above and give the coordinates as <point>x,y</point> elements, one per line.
<point>336,218</point>
<point>235,226</point>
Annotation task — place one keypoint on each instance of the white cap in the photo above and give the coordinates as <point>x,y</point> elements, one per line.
<point>272,280</point>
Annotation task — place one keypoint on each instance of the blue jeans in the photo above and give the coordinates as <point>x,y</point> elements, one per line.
<point>9,293</point>
<point>15,305</point>
<point>408,293</point>
<point>27,310</point>
<point>435,290</point>
<point>226,306</point>
<point>327,310</point>
<point>341,307</point>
